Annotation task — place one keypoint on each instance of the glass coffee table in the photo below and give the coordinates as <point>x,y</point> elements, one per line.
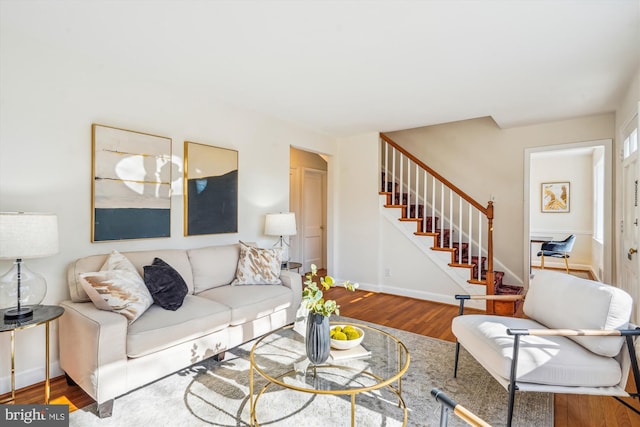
<point>280,358</point>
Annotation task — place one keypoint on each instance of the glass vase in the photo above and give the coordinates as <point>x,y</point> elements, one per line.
<point>317,339</point>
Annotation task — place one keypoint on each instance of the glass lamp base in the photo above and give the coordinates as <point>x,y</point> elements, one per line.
<point>20,290</point>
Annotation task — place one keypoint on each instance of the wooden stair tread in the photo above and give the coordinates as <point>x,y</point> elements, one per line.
<point>455,264</point>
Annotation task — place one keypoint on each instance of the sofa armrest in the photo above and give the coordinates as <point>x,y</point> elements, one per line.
<point>293,281</point>
<point>93,349</point>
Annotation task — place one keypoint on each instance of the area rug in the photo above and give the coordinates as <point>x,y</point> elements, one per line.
<point>217,394</point>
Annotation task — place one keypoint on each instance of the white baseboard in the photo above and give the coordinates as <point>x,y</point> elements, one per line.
<point>428,296</point>
<point>29,377</point>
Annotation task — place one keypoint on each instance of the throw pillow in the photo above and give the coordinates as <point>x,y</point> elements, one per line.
<point>117,287</point>
<point>258,266</point>
<point>166,285</point>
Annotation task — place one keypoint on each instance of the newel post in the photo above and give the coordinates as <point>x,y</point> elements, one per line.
<point>490,277</point>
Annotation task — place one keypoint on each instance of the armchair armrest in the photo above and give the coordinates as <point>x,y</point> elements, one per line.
<point>575,332</point>
<point>510,297</point>
<point>463,298</point>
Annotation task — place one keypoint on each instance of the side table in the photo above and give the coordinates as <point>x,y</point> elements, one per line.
<point>291,265</point>
<point>42,314</point>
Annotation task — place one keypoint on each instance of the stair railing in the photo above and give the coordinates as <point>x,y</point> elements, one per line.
<point>440,208</point>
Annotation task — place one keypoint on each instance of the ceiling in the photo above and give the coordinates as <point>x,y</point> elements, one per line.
<point>348,67</point>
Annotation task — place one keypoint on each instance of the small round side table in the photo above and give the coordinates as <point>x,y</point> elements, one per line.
<point>42,314</point>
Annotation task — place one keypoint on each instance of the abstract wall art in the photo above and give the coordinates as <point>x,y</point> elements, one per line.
<point>131,185</point>
<point>210,189</point>
<point>555,197</point>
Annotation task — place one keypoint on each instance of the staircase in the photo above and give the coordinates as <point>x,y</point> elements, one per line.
<point>455,222</point>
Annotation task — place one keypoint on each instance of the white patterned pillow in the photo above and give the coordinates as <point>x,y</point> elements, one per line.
<point>258,266</point>
<point>118,287</point>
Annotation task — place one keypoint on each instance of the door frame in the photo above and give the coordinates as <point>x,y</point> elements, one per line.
<point>609,242</point>
<point>622,244</point>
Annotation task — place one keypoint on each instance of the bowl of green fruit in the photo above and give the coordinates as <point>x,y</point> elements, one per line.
<point>344,337</point>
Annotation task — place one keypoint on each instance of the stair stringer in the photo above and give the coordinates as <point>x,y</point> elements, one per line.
<point>440,259</point>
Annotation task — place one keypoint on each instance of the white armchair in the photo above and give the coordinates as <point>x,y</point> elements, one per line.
<point>576,339</point>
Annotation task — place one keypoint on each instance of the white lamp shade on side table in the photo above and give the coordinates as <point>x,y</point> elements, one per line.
<point>280,224</point>
<point>25,235</point>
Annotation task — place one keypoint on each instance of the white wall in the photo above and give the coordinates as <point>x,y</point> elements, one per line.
<point>357,233</point>
<point>575,168</point>
<point>48,101</point>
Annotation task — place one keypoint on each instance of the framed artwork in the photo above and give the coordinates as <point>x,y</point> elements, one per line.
<point>555,197</point>
<point>210,189</point>
<point>131,185</point>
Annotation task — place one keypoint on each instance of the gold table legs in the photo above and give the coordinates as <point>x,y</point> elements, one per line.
<point>47,386</point>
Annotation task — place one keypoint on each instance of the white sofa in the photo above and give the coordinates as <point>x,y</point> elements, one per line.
<point>576,339</point>
<point>107,357</point>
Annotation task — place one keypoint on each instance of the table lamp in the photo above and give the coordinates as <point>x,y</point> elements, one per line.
<point>281,224</point>
<point>25,235</point>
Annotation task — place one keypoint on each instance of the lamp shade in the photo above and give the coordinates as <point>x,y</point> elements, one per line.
<point>28,235</point>
<point>280,224</point>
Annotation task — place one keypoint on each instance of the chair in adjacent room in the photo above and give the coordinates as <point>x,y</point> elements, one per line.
<point>557,249</point>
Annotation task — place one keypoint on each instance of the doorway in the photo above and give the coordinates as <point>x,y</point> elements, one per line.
<point>586,167</point>
<point>630,224</point>
<point>308,200</point>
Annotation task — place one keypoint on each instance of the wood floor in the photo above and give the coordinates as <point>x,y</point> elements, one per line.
<point>418,316</point>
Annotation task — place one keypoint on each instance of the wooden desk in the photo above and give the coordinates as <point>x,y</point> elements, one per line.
<point>536,239</point>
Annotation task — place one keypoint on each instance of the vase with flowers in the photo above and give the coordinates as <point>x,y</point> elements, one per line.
<point>317,337</point>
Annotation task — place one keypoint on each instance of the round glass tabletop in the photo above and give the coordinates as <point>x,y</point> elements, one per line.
<point>280,357</point>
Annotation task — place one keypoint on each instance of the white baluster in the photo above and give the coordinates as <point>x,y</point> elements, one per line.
<point>401,190</point>
<point>424,200</point>
<point>408,214</point>
<point>469,251</point>
<point>417,188</point>
<point>433,204</point>
<point>442,218</point>
<point>460,229</point>
<point>385,186</point>
<point>450,218</point>
<point>393,178</point>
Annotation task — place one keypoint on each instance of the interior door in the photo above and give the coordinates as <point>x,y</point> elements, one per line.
<point>629,256</point>
<point>314,218</point>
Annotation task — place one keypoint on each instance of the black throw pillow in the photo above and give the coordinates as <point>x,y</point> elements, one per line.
<point>166,285</point>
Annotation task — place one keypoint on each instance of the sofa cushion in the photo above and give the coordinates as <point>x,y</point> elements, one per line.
<point>250,302</point>
<point>541,360</point>
<point>117,287</point>
<point>158,329</point>
<point>213,266</point>
<point>257,266</point>
<point>552,300</point>
<point>165,284</point>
